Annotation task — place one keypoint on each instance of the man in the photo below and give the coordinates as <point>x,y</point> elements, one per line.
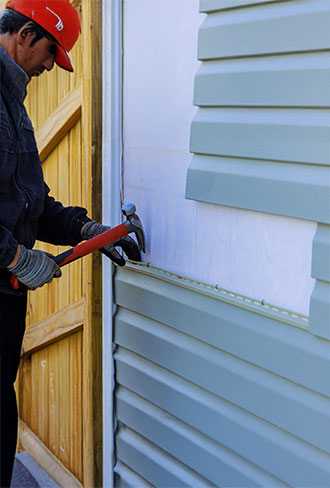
<point>34,34</point>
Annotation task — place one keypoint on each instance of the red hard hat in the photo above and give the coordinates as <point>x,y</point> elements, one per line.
<point>59,18</point>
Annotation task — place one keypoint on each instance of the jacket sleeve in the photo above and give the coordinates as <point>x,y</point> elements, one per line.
<point>8,247</point>
<point>60,225</point>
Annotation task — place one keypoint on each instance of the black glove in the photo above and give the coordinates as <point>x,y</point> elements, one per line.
<point>35,268</point>
<point>128,245</point>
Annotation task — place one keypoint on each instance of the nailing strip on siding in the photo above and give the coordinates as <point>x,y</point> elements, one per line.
<point>298,136</point>
<point>296,354</point>
<point>253,389</point>
<point>279,81</point>
<point>274,450</point>
<point>218,293</point>
<point>293,190</point>
<point>215,463</point>
<point>153,464</point>
<point>266,29</point>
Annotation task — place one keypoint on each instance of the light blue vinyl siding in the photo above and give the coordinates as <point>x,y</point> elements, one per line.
<point>261,134</point>
<point>293,80</point>
<point>302,191</point>
<point>213,391</point>
<point>321,254</point>
<point>273,28</point>
<point>209,5</point>
<point>319,315</point>
<point>212,388</point>
<point>262,89</point>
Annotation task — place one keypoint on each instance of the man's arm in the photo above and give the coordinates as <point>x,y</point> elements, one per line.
<point>60,225</point>
<point>8,247</point>
<point>69,225</point>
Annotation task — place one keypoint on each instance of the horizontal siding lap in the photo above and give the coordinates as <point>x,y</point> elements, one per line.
<point>126,478</point>
<point>296,354</point>
<point>261,93</point>
<point>211,5</point>
<point>253,389</point>
<point>256,30</point>
<point>183,397</point>
<point>281,135</point>
<point>278,81</point>
<point>218,465</point>
<point>154,464</point>
<point>274,450</point>
<point>295,190</point>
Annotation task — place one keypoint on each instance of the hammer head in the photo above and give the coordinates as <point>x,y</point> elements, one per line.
<point>133,224</point>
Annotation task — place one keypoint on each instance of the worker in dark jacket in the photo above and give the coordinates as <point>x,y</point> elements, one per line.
<point>34,34</point>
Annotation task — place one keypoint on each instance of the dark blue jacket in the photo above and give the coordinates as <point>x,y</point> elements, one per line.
<point>27,212</point>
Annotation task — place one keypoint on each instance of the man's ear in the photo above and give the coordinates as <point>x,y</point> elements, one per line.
<point>26,33</point>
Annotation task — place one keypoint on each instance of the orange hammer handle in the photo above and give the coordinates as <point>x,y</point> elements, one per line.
<point>81,250</point>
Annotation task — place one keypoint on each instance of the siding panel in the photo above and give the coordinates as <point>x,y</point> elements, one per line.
<point>124,477</point>
<point>320,309</point>
<point>263,97</point>
<point>217,464</point>
<point>184,398</point>
<point>281,454</point>
<point>320,300</point>
<point>295,190</point>
<point>260,96</point>
<point>277,81</point>
<point>210,5</point>
<point>152,463</point>
<point>282,135</point>
<point>227,326</point>
<point>321,253</point>
<point>256,30</point>
<point>230,378</point>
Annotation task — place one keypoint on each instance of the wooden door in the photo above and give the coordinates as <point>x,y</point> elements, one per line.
<point>60,377</point>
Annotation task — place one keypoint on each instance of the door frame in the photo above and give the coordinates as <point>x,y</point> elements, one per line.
<point>111,204</point>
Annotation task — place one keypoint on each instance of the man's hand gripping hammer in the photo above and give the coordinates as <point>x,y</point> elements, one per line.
<point>131,225</point>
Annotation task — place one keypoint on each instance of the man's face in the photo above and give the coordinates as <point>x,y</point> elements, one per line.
<point>36,58</point>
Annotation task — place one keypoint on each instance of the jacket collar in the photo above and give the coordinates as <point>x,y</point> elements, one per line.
<point>13,76</point>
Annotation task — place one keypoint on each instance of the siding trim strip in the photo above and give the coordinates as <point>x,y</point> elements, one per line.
<point>112,22</point>
<point>227,296</point>
<point>320,299</point>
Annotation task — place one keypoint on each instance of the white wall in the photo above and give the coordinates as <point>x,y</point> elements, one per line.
<point>259,255</point>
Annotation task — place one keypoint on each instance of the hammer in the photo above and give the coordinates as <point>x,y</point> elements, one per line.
<point>132,224</point>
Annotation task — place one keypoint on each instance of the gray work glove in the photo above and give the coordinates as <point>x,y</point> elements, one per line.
<point>128,245</point>
<point>35,268</point>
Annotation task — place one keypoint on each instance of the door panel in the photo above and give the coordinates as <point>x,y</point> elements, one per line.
<point>59,385</point>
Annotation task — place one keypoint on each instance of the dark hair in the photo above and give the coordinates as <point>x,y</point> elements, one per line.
<point>11,22</point>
